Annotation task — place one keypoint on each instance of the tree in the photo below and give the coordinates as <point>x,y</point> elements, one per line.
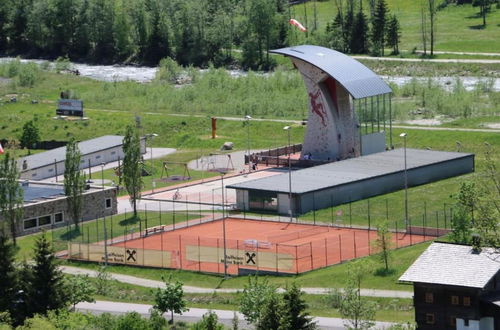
<point>132,175</point>
<point>255,295</point>
<point>384,244</point>
<point>11,194</point>
<point>359,39</point>
<point>294,315</point>
<point>484,8</point>
<point>423,27</point>
<point>170,298</point>
<point>461,220</point>
<point>45,287</point>
<point>379,26</point>
<point>9,282</point>
<point>30,136</point>
<point>74,181</point>
<point>271,313</point>
<point>356,312</point>
<point>393,34</point>
<point>432,21</point>
<point>209,321</point>
<point>80,289</point>
<point>487,223</point>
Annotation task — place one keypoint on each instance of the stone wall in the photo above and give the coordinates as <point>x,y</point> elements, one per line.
<point>93,206</point>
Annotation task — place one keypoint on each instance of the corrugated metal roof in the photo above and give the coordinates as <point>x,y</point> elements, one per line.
<point>359,80</point>
<point>349,170</point>
<point>452,264</point>
<point>59,154</point>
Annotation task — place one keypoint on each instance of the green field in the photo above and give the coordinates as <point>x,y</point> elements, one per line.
<point>458,28</point>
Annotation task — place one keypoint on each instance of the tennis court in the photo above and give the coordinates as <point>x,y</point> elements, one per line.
<point>251,246</point>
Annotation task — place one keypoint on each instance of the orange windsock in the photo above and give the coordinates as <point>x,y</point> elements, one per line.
<point>297,24</point>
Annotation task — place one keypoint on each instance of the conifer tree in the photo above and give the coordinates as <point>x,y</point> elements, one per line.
<point>11,194</point>
<point>393,34</point>
<point>9,283</point>
<point>379,25</point>
<point>359,39</point>
<point>45,289</point>
<point>294,315</point>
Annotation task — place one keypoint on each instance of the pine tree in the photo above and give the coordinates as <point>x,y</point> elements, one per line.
<point>271,313</point>
<point>9,282</point>
<point>294,315</point>
<point>132,171</point>
<point>74,181</point>
<point>45,288</point>
<point>378,27</point>
<point>359,40</point>
<point>393,34</point>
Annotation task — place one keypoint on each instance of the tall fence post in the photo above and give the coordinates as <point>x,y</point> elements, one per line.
<point>350,213</point>
<point>340,248</point>
<point>311,253</point>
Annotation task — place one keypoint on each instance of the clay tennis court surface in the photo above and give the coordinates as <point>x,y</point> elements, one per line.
<point>255,245</point>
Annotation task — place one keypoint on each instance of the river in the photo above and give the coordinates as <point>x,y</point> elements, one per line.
<point>145,74</point>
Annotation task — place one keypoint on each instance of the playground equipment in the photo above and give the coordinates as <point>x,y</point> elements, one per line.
<point>169,178</point>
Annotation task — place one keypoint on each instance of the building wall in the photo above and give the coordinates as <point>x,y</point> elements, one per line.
<point>447,306</point>
<point>93,206</point>
<point>383,184</point>
<point>96,158</point>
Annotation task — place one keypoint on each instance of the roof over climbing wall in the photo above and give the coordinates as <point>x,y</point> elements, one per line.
<point>360,81</point>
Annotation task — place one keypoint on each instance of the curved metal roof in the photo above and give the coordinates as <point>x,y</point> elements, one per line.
<point>359,81</point>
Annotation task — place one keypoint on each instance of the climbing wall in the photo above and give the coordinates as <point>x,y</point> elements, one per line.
<point>332,129</point>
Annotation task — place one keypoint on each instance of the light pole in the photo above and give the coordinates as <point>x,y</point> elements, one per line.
<point>288,128</point>
<point>403,135</point>
<point>247,118</point>
<point>102,175</point>
<point>222,173</point>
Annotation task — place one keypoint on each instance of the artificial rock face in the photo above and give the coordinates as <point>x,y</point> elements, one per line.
<point>332,128</point>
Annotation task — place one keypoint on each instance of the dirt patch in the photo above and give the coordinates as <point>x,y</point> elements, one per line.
<point>424,122</point>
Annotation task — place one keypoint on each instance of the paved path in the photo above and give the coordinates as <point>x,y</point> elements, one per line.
<point>192,289</point>
<point>437,60</point>
<point>194,314</point>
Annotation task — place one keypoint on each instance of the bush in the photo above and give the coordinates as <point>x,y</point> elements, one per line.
<point>29,74</point>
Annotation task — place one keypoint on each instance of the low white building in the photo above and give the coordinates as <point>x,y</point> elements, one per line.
<point>104,149</point>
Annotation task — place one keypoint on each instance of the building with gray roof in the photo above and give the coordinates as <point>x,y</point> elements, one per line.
<point>104,149</point>
<point>349,180</point>
<point>456,287</point>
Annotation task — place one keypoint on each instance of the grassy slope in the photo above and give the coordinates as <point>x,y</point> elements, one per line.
<point>457,26</point>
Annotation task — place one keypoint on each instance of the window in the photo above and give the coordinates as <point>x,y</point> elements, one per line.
<point>455,300</point>
<point>98,156</point>
<point>58,217</point>
<point>466,301</point>
<point>33,174</point>
<point>108,203</point>
<point>82,161</point>
<point>429,297</point>
<point>466,322</point>
<point>453,321</point>
<point>43,221</point>
<point>51,170</point>
<point>429,318</point>
<point>113,152</point>
<point>30,223</point>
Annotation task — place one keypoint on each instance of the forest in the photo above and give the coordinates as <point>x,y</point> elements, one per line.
<point>192,32</point>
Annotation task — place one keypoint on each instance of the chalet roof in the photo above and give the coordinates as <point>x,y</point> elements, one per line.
<point>453,264</point>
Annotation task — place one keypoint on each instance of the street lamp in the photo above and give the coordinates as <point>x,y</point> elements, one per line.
<point>247,118</point>
<point>288,128</point>
<point>403,135</point>
<point>150,137</point>
<point>102,175</point>
<point>222,173</point>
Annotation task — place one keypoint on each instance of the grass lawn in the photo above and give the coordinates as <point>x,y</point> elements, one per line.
<point>388,309</point>
<point>458,28</point>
